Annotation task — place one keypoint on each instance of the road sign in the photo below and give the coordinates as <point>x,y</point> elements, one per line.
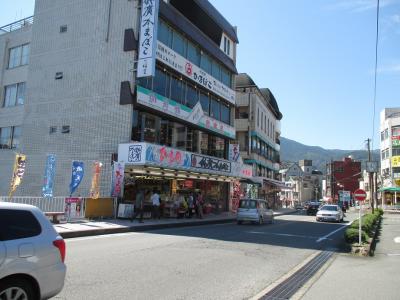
<point>360,195</point>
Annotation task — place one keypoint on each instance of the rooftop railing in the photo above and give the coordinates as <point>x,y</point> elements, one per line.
<point>16,25</point>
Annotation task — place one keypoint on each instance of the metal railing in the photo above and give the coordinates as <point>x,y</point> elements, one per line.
<point>16,25</point>
<point>55,204</point>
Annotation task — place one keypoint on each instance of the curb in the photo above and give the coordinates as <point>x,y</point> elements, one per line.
<point>133,228</point>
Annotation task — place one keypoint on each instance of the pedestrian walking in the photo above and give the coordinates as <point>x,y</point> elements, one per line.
<point>199,204</point>
<point>155,199</point>
<point>191,205</point>
<point>139,202</point>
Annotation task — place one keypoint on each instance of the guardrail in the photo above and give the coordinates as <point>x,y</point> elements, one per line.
<point>44,204</point>
<point>16,25</point>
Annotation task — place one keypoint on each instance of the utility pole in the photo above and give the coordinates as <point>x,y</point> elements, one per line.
<point>371,185</point>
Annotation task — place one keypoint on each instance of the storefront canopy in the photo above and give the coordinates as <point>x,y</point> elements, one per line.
<point>389,189</point>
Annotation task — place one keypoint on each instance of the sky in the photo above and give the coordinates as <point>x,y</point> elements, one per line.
<point>318,59</point>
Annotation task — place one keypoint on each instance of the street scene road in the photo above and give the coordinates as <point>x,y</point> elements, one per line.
<point>225,261</point>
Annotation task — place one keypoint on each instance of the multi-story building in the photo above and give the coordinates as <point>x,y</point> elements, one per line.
<point>342,176</point>
<point>390,151</point>
<point>257,122</point>
<point>70,88</point>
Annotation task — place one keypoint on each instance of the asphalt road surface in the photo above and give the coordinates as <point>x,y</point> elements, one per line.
<point>226,261</point>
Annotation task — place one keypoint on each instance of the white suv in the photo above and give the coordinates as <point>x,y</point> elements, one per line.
<point>31,254</point>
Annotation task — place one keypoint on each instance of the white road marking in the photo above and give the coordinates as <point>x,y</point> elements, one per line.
<point>329,234</point>
<point>86,238</point>
<point>393,254</point>
<point>283,234</point>
<point>397,239</point>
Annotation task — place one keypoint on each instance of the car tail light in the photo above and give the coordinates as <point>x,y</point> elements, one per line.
<point>60,244</point>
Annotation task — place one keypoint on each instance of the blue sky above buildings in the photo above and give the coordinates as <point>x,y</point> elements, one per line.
<point>316,56</point>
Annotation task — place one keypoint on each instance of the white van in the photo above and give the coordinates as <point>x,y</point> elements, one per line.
<point>254,210</point>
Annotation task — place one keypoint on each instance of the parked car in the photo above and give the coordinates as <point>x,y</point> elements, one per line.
<point>312,208</point>
<point>254,210</point>
<point>330,213</point>
<point>31,254</point>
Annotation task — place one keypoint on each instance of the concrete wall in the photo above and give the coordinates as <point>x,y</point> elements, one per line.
<point>86,98</point>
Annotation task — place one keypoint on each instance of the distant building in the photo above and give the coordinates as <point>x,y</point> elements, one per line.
<point>257,123</point>
<point>342,175</point>
<point>390,150</point>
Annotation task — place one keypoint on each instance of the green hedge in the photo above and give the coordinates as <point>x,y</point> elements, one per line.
<point>367,227</point>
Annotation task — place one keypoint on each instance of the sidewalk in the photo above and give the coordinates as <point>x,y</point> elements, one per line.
<point>350,277</point>
<point>89,228</point>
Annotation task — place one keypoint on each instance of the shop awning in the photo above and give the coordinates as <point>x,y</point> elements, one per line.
<point>277,183</point>
<point>252,180</point>
<point>389,189</point>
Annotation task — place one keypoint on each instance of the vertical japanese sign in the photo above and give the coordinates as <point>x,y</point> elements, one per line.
<point>117,179</point>
<point>77,175</point>
<point>148,38</point>
<point>95,187</point>
<point>234,152</point>
<point>49,173</point>
<point>18,173</point>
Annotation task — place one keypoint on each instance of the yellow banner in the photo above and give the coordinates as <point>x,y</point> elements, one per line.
<point>18,173</point>
<point>395,161</point>
<point>95,188</point>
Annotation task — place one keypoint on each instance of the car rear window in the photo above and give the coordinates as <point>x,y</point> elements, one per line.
<point>247,204</point>
<point>331,208</point>
<point>18,224</point>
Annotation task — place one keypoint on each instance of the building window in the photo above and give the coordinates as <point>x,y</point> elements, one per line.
<point>19,56</point>
<point>242,112</point>
<point>262,121</point>
<point>65,129</point>
<point>258,117</point>
<point>395,151</point>
<point>216,70</point>
<point>205,63</point>
<point>226,77</point>
<point>205,103</point>
<point>160,83</point>
<point>192,96</point>
<point>227,46</point>
<point>177,91</point>
<point>179,43</point>
<point>193,54</point>
<point>10,137</point>
<point>382,136</point>
<point>225,114</point>
<point>386,133</point>
<point>164,34</point>
<point>53,129</point>
<point>63,28</point>
<point>215,109</point>
<point>14,94</point>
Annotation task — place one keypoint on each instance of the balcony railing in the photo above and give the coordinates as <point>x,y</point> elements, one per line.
<point>16,25</point>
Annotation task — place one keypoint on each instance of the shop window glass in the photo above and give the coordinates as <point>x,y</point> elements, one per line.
<point>192,96</point>
<point>215,109</point>
<point>179,43</point>
<point>192,140</point>
<point>225,114</point>
<point>136,126</point>
<point>205,103</point>
<point>219,147</point>
<point>150,131</point>
<point>165,133</point>
<point>225,77</point>
<point>205,63</point>
<point>216,70</point>
<point>16,136</point>
<point>160,83</point>
<point>164,34</point>
<point>5,138</point>
<point>193,54</point>
<point>177,90</point>
<point>178,135</point>
<point>203,143</point>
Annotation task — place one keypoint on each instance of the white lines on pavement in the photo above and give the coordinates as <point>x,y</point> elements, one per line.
<point>329,234</point>
<point>397,239</point>
<point>284,234</point>
<point>393,254</point>
<point>100,236</point>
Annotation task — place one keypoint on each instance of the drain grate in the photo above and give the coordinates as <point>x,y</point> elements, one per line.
<point>291,285</point>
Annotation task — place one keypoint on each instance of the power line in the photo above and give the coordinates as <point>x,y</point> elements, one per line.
<point>376,69</point>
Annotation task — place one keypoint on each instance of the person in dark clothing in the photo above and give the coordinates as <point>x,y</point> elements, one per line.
<point>139,202</point>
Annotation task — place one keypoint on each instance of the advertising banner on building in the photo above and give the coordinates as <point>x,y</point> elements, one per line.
<point>234,152</point>
<point>49,174</point>
<point>95,186</point>
<point>193,115</point>
<point>395,161</point>
<point>177,62</point>
<point>18,173</point>
<point>76,176</point>
<point>396,141</point>
<point>117,180</point>
<point>146,65</point>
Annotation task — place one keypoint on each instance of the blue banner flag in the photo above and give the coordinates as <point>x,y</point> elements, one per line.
<point>49,173</point>
<point>77,175</point>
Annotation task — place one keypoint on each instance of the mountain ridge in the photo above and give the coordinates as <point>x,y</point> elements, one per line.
<point>293,151</point>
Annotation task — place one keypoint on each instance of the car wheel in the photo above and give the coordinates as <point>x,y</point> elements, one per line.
<point>17,289</point>
<point>239,222</point>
